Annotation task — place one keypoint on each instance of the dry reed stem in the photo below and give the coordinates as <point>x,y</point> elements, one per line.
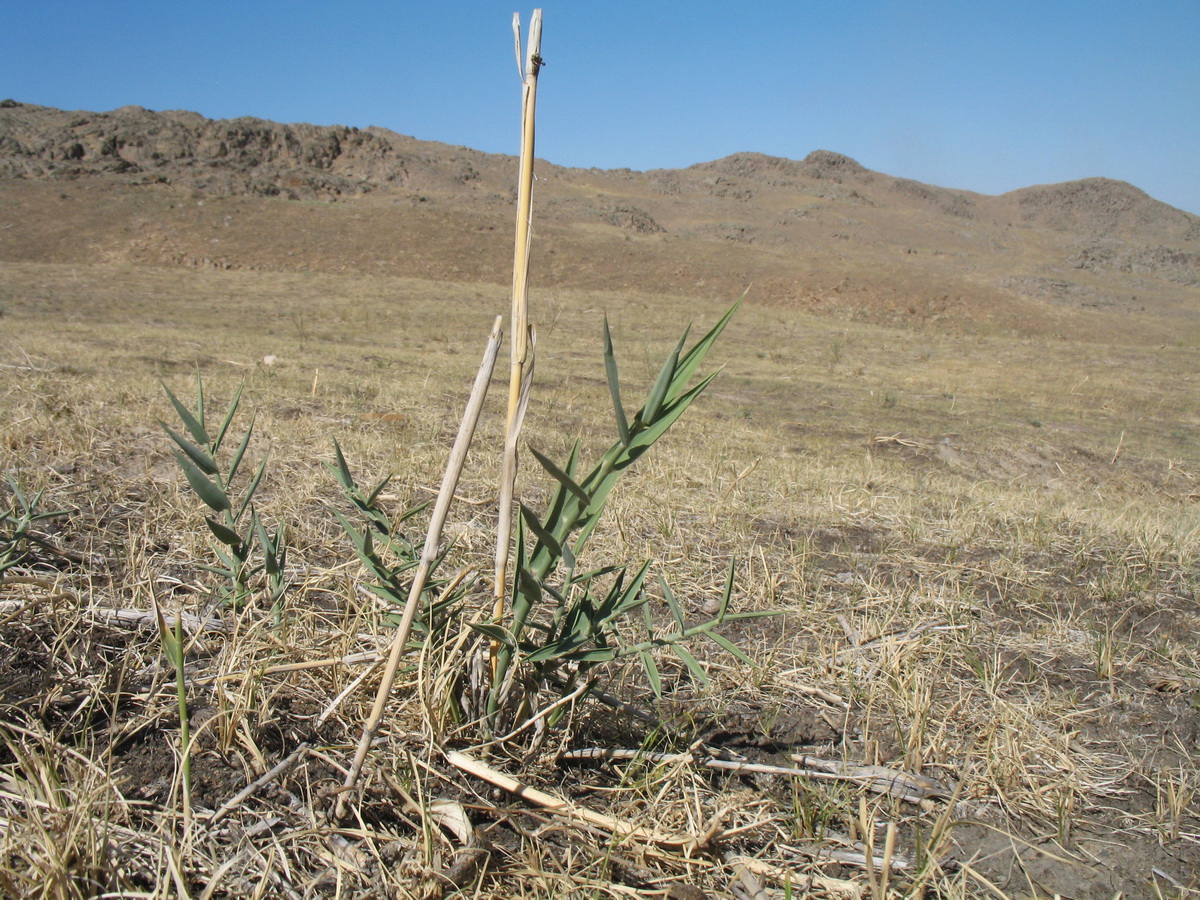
<point>564,807</point>
<point>522,337</point>
<point>458,456</point>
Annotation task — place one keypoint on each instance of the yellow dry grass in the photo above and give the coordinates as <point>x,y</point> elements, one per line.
<point>984,552</point>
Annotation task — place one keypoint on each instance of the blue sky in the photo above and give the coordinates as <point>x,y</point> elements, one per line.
<point>987,96</point>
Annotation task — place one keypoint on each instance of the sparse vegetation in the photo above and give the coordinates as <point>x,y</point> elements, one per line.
<point>940,575</point>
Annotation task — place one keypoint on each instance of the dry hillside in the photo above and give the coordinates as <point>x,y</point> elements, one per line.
<point>1091,258</point>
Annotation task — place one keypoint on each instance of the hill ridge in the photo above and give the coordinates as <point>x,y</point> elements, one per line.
<point>823,231</point>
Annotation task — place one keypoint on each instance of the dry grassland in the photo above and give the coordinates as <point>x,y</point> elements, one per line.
<point>984,552</point>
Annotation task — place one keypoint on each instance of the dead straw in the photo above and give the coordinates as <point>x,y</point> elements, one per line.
<point>523,339</point>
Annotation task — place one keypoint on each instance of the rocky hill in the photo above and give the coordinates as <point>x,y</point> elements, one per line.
<point>176,189</point>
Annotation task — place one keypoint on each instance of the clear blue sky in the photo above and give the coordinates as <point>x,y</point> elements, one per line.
<point>988,96</point>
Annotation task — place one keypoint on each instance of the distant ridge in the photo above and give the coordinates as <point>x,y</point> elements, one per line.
<point>822,231</point>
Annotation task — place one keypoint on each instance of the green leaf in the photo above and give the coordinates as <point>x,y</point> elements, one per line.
<point>20,495</point>
<point>250,489</point>
<point>723,609</point>
<point>593,574</point>
<point>692,359</point>
<point>203,460</point>
<point>269,549</point>
<point>413,511</point>
<point>662,384</point>
<point>759,614</point>
<point>377,490</point>
<point>495,633</point>
<point>667,416</point>
<point>561,477</point>
<point>341,470</point>
<point>194,425</point>
<point>691,662</point>
<point>200,398</point>
<point>531,521</point>
<point>729,646</point>
<point>598,655</point>
<point>619,602</point>
<point>669,596</point>
<point>228,573</point>
<point>651,672</point>
<point>207,491</point>
<point>356,537</point>
<point>614,385</point>
<point>222,533</point>
<point>172,646</point>
<point>554,650</point>
<point>237,398</point>
<point>241,450</point>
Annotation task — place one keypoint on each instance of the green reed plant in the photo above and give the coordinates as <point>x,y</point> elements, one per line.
<point>563,618</point>
<point>17,518</point>
<point>383,547</point>
<point>237,532</point>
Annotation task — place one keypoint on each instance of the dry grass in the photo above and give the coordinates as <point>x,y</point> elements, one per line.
<point>985,552</point>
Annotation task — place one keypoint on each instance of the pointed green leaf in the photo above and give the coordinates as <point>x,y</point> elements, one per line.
<point>759,614</point>
<point>729,646</point>
<point>341,470</point>
<point>593,574</point>
<point>225,535</point>
<point>495,633</point>
<point>200,399</point>
<point>270,557</point>
<point>377,490</point>
<point>356,537</point>
<point>600,654</point>
<point>200,457</point>
<point>658,392</point>
<point>250,489</point>
<point>228,574</point>
<point>651,672</point>
<point>531,521</point>
<point>554,650</point>
<point>170,643</point>
<point>206,490</point>
<point>414,511</point>
<point>646,437</point>
<point>194,426</point>
<point>241,450</point>
<point>19,494</point>
<point>723,609</point>
<point>618,602</point>
<point>614,385</point>
<point>561,477</point>
<point>691,662</point>
<point>237,398</point>
<point>692,359</point>
<point>669,596</point>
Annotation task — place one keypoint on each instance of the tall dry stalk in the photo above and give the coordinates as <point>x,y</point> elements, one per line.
<point>523,338</point>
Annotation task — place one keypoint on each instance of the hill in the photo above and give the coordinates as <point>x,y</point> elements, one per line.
<point>1095,256</point>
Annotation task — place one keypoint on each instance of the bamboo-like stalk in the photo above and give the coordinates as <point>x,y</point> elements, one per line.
<point>458,456</point>
<point>563,807</point>
<point>522,341</point>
